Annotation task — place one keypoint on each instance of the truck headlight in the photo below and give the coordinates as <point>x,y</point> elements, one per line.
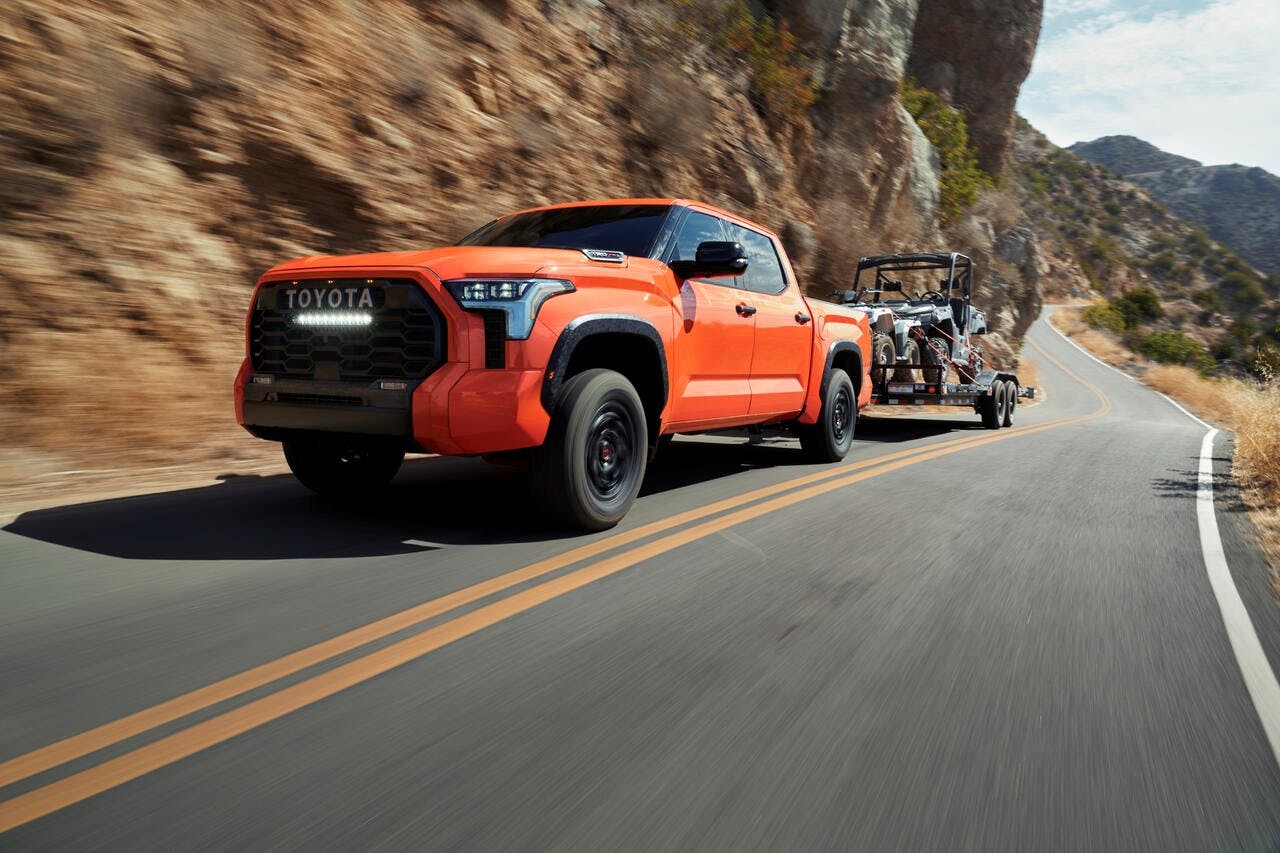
<point>518,298</point>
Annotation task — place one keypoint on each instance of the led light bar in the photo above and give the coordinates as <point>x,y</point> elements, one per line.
<point>332,318</point>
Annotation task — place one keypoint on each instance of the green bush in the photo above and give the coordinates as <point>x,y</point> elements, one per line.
<point>1243,287</point>
<point>1175,348</point>
<point>1138,305</point>
<point>781,86</point>
<point>1208,299</point>
<point>945,127</point>
<point>1101,315</point>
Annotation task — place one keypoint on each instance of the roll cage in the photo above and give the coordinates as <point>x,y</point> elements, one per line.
<point>958,282</point>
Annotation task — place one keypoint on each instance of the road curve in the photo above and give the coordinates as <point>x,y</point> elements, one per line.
<point>955,638</point>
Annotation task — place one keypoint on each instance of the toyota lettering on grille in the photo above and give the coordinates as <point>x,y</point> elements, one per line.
<point>336,298</point>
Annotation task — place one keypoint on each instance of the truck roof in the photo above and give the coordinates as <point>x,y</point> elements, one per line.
<point>683,202</point>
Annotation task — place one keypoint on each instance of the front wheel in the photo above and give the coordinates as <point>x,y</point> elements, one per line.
<point>340,468</point>
<point>588,472</point>
<point>831,437</point>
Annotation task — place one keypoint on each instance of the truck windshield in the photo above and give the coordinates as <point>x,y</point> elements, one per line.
<point>628,228</point>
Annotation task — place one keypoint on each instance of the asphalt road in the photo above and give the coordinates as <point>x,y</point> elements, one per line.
<point>955,638</point>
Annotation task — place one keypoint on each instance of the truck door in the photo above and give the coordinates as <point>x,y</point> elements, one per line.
<point>714,336</point>
<point>784,329</point>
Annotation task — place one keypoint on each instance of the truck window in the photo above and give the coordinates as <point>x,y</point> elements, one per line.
<point>696,228</point>
<point>764,270</point>
<point>627,228</point>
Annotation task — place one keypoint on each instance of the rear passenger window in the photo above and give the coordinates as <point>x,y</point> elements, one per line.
<point>764,270</point>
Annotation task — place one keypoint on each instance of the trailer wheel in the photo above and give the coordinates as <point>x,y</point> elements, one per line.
<point>936,352</point>
<point>987,409</point>
<point>341,469</point>
<point>1001,391</point>
<point>883,355</point>
<point>588,471</point>
<point>831,437</point>
<point>911,355</point>
<point>1011,402</point>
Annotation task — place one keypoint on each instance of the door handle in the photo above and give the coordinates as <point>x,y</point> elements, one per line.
<point>746,310</point>
<point>802,319</point>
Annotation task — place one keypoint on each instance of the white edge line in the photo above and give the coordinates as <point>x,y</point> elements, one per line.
<point>1259,678</point>
<point>1255,668</point>
<point>422,543</point>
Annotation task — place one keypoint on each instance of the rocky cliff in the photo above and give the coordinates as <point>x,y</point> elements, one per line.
<point>1237,205</point>
<point>156,156</point>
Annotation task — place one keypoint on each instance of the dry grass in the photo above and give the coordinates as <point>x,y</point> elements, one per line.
<point>1251,410</point>
<point>1104,345</point>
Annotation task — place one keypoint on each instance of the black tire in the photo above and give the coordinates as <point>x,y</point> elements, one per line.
<point>987,409</point>
<point>342,469</point>
<point>911,355</point>
<point>883,355</point>
<point>1001,392</point>
<point>589,470</point>
<point>1011,402</point>
<point>830,438</point>
<point>936,351</point>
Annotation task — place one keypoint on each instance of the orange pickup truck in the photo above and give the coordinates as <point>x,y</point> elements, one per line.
<point>576,336</point>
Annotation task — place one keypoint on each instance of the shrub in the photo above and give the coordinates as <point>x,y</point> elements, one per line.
<point>1138,305</point>
<point>1101,315</point>
<point>781,86</point>
<point>1175,348</point>
<point>945,127</point>
<point>1243,287</point>
<point>1208,299</point>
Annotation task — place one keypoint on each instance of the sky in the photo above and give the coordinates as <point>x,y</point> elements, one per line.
<point>1200,78</point>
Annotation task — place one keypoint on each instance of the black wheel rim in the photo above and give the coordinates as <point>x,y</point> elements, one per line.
<point>610,452</point>
<point>840,410</point>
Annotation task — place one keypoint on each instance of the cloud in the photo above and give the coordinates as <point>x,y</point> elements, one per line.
<point>1204,83</point>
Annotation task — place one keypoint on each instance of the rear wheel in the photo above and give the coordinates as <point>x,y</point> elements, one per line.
<point>937,352</point>
<point>342,468</point>
<point>911,355</point>
<point>1001,391</point>
<point>589,470</point>
<point>1011,402</point>
<point>987,409</point>
<point>831,437</point>
<point>883,355</point>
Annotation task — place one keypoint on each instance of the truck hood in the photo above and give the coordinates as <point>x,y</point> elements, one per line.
<point>458,261</point>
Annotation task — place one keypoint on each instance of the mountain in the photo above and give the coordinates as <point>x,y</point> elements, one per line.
<point>1129,155</point>
<point>1238,205</point>
<point>1107,235</point>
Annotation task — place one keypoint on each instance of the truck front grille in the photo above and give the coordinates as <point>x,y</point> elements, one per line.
<point>368,329</point>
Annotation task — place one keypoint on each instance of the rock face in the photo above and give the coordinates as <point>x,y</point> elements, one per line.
<point>978,52</point>
<point>155,157</point>
<point>1238,205</point>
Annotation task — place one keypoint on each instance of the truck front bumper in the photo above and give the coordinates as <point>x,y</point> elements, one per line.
<point>454,411</point>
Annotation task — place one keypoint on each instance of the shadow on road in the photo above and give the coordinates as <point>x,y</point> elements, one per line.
<point>1186,484</point>
<point>435,500</point>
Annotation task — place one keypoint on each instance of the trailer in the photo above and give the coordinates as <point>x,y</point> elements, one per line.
<point>921,338</point>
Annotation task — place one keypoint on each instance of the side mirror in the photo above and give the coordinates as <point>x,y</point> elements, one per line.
<point>714,258</point>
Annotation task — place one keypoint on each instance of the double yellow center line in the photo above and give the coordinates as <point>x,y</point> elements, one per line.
<point>671,533</point>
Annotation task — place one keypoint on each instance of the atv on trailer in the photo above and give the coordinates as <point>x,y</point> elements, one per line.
<point>930,330</point>
<point>931,325</point>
